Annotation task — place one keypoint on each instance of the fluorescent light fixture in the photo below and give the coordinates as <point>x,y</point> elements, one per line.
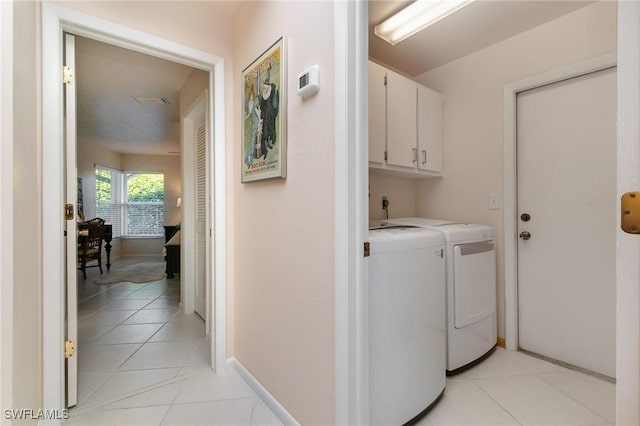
<point>415,17</point>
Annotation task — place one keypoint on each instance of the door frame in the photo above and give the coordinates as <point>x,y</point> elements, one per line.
<point>511,91</point>
<point>351,212</point>
<point>55,20</point>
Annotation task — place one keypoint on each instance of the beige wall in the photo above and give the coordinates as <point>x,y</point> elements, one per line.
<point>27,259</point>
<point>284,273</point>
<point>472,88</point>
<point>400,192</point>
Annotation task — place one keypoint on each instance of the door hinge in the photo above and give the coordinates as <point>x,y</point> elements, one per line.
<point>67,75</point>
<point>630,213</point>
<point>385,80</point>
<point>367,249</point>
<point>68,212</point>
<point>385,156</point>
<point>69,348</point>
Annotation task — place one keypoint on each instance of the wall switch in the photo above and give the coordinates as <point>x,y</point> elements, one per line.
<point>494,201</point>
<point>385,202</point>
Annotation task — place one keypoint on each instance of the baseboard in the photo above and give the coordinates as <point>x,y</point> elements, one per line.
<point>502,342</point>
<point>268,399</point>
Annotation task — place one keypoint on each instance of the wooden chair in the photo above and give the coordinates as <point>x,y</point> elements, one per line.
<point>90,246</point>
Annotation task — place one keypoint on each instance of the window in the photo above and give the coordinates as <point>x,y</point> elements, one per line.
<point>132,202</point>
<point>145,204</point>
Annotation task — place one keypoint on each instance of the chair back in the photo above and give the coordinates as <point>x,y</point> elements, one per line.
<point>95,227</point>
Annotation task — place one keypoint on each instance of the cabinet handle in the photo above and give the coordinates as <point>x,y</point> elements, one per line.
<point>424,156</point>
<point>415,155</point>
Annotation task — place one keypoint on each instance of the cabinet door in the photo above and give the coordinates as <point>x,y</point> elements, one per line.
<point>429,130</point>
<point>377,113</point>
<point>401,121</point>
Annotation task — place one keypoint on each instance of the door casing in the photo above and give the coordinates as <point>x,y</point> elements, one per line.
<point>55,20</point>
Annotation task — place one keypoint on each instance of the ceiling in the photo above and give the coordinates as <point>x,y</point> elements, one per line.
<point>474,27</point>
<point>108,78</point>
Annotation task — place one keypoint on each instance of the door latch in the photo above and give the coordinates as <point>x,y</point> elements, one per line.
<point>630,213</point>
<point>367,249</point>
<point>68,212</point>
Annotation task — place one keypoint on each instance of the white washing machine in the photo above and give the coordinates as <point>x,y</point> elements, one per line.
<point>471,288</point>
<point>407,325</point>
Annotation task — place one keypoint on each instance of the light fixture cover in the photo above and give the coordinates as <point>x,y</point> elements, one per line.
<point>156,100</point>
<point>415,17</point>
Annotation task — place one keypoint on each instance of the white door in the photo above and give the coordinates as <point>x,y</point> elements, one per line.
<point>566,149</point>
<point>201,219</point>
<point>71,189</point>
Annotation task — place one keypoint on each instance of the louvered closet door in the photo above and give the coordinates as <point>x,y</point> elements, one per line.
<point>201,221</point>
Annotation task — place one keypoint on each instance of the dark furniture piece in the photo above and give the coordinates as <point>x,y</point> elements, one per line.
<point>90,245</point>
<point>169,231</point>
<point>172,250</point>
<point>107,237</point>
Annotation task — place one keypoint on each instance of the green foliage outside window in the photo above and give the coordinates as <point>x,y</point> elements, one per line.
<point>143,187</point>
<point>103,185</point>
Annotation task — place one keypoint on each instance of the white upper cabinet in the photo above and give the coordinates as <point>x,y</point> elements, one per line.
<point>402,125</point>
<point>405,125</point>
<point>377,114</point>
<point>429,130</point>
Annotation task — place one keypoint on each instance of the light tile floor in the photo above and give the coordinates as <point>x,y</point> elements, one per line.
<point>143,362</point>
<point>513,388</point>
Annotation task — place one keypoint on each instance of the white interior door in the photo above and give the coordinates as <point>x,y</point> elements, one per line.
<point>201,218</point>
<point>566,149</point>
<point>71,189</point>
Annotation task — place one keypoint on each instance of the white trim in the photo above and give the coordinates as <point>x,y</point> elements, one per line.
<point>55,20</point>
<point>510,188</point>
<point>351,212</point>
<point>6,204</point>
<point>269,400</point>
<point>628,246</point>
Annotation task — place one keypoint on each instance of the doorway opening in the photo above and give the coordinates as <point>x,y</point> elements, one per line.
<point>56,20</point>
<point>135,316</point>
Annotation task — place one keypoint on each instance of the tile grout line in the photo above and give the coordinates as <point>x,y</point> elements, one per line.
<point>572,398</point>
<point>496,401</point>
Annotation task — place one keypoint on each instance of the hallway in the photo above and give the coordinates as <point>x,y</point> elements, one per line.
<point>142,361</point>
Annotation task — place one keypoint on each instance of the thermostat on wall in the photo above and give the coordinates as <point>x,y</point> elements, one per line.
<point>308,82</point>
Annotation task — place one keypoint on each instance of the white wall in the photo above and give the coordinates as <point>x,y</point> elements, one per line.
<point>284,268</point>
<point>472,89</point>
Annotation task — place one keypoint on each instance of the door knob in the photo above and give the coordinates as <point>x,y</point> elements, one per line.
<point>525,235</point>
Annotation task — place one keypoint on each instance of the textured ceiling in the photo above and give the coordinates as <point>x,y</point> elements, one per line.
<point>474,27</point>
<point>108,78</point>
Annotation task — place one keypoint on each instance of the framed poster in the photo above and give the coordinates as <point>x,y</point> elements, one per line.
<point>264,115</point>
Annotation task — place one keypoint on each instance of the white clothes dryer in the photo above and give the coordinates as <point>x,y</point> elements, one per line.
<point>406,323</point>
<point>471,288</point>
